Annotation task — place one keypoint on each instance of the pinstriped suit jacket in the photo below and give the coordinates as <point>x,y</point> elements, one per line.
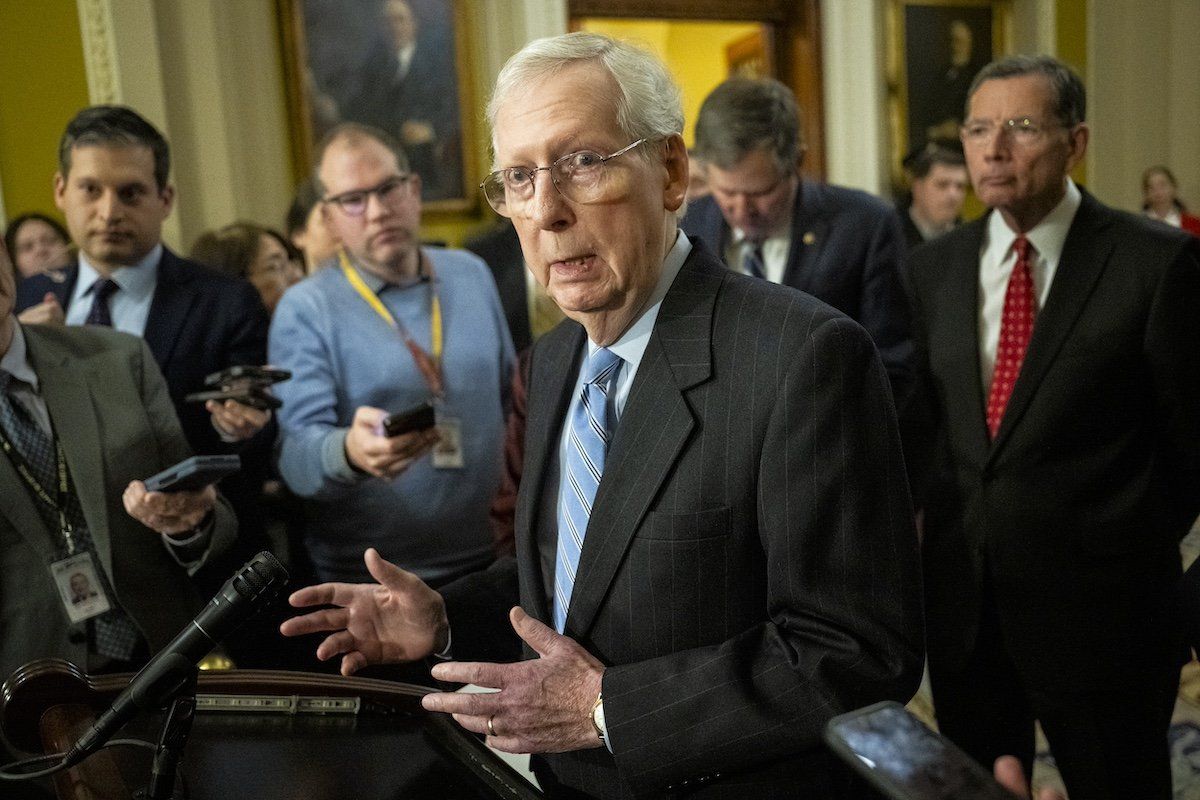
<point>750,567</point>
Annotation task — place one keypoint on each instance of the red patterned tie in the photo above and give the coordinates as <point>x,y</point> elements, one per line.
<point>1016,327</point>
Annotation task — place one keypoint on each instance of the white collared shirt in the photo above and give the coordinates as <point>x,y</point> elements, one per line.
<point>16,363</point>
<point>630,347</point>
<point>997,259</point>
<point>775,249</point>
<point>129,307</point>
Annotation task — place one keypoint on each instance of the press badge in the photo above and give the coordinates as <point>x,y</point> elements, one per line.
<point>79,587</point>
<point>448,452</point>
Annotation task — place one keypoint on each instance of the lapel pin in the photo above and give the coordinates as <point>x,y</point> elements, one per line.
<point>809,237</point>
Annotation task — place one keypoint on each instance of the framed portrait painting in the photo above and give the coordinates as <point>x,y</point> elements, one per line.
<point>935,49</point>
<point>395,64</point>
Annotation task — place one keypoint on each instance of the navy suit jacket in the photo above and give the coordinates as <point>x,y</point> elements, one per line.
<point>848,249</point>
<point>750,565</point>
<point>501,249</point>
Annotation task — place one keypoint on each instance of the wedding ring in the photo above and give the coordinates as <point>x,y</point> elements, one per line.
<point>491,727</point>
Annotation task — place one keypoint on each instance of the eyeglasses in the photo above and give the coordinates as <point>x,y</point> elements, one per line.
<point>581,177</point>
<point>390,192</point>
<point>1022,130</point>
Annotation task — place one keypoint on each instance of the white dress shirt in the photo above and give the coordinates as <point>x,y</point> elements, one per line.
<point>775,249</point>
<point>129,306</point>
<point>997,259</point>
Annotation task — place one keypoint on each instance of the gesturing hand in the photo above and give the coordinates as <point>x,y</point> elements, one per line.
<point>543,706</point>
<point>398,619</point>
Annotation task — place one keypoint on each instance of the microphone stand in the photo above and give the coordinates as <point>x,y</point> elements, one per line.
<point>181,711</point>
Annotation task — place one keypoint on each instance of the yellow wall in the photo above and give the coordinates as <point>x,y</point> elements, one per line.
<point>1071,47</point>
<point>695,52</point>
<point>42,85</point>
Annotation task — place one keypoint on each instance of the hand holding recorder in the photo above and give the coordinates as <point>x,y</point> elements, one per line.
<point>240,400</point>
<point>176,500</point>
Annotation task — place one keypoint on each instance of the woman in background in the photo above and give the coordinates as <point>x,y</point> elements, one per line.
<point>1161,201</point>
<point>38,243</point>
<point>251,252</point>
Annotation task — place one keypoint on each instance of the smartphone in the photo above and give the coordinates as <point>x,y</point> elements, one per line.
<point>255,398</point>
<point>247,375</point>
<point>193,473</point>
<point>417,418</point>
<point>905,760</point>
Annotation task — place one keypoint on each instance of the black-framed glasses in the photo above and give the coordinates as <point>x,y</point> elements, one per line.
<point>1022,130</point>
<point>582,177</point>
<point>389,192</point>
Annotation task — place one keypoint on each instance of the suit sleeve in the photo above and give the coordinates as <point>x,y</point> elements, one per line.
<point>1172,346</point>
<point>885,312</point>
<point>173,448</point>
<point>843,625</point>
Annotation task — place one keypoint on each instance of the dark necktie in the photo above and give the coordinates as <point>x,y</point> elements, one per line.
<point>102,289</point>
<point>752,259</point>
<point>1016,329</point>
<point>114,633</point>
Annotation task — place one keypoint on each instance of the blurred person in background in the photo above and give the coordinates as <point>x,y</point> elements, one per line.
<point>1161,200</point>
<point>245,250</point>
<point>938,174</point>
<point>306,229</point>
<point>38,243</point>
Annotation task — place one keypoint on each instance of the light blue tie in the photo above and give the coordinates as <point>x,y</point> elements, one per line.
<point>586,449</point>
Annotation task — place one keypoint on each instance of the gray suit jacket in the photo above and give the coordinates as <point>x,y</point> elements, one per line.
<point>110,409</point>
<point>750,566</point>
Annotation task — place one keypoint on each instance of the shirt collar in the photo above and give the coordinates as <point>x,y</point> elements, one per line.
<point>136,280</point>
<point>1049,235</point>
<point>16,360</point>
<point>632,344</point>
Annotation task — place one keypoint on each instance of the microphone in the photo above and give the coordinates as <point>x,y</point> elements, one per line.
<point>250,588</point>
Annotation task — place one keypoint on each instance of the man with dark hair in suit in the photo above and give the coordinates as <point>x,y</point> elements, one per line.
<point>715,549</point>
<point>938,177</point>
<point>1055,506</point>
<point>840,245</point>
<point>113,186</point>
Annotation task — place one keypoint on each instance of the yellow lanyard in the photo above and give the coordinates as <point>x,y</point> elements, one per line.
<point>430,366</point>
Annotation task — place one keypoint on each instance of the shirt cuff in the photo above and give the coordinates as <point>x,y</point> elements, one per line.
<point>334,463</point>
<point>191,550</point>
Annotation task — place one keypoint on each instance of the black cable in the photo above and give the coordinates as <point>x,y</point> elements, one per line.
<point>6,775</point>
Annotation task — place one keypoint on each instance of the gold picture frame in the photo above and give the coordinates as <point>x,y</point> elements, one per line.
<point>935,48</point>
<point>345,60</point>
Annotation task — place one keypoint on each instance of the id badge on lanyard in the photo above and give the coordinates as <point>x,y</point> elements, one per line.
<point>448,452</point>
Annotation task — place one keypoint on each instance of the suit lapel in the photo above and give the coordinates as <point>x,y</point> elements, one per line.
<point>810,226</point>
<point>1085,253</point>
<point>168,309</point>
<point>654,428</point>
<point>960,285</point>
<point>68,396</point>
<point>555,367</point>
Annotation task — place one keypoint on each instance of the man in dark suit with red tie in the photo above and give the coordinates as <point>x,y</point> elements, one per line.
<point>1055,437</point>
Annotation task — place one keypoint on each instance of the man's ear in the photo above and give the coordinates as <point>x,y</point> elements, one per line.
<point>675,172</point>
<point>1078,141</point>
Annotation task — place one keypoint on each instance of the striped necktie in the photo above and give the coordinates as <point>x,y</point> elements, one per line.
<point>587,447</point>
<point>752,259</point>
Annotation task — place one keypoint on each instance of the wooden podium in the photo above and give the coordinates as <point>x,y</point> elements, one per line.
<point>263,735</point>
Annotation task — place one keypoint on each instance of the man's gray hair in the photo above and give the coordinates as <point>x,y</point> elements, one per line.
<point>744,115</point>
<point>1070,98</point>
<point>648,101</point>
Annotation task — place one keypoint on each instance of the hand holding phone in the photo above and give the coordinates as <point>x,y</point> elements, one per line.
<point>369,449</point>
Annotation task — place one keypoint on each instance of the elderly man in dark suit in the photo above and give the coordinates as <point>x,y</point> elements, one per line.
<point>840,245</point>
<point>89,408</point>
<point>714,548</point>
<point>1058,431</point>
